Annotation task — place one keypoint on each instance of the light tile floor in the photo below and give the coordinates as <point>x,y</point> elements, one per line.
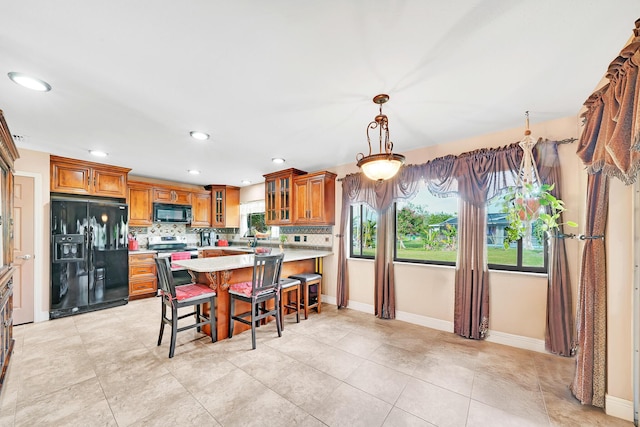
<point>339,368</point>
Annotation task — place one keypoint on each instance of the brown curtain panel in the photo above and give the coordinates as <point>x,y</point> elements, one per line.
<point>590,380</point>
<point>471,310</point>
<point>559,336</point>
<point>609,147</point>
<point>356,188</point>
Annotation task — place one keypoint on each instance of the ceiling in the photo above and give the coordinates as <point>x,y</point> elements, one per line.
<point>291,78</point>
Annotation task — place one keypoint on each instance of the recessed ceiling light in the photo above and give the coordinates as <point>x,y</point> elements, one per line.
<point>194,172</point>
<point>29,82</point>
<point>278,160</point>
<point>245,182</point>
<point>98,153</point>
<point>200,136</point>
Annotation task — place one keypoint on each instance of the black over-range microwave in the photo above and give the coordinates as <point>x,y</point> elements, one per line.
<point>163,212</point>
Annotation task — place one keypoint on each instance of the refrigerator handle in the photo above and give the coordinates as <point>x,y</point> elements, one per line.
<point>89,242</point>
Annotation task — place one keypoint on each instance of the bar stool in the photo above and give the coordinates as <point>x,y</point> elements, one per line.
<point>306,281</point>
<point>288,286</point>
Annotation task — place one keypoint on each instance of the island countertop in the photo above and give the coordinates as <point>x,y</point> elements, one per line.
<point>233,262</point>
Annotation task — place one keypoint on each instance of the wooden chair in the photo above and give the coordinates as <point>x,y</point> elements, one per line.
<point>310,298</point>
<point>177,297</point>
<point>263,289</point>
<point>289,286</point>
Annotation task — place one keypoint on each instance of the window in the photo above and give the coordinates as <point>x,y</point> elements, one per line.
<point>252,220</point>
<point>363,222</point>
<point>527,254</point>
<point>427,229</point>
<point>427,232</point>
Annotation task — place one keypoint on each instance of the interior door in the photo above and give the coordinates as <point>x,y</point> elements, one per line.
<point>23,249</point>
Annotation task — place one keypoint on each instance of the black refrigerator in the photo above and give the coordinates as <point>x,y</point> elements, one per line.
<point>89,255</point>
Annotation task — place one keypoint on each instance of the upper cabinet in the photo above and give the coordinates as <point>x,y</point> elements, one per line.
<point>201,209</point>
<point>314,199</point>
<point>72,176</point>
<point>140,200</point>
<point>225,201</point>
<point>278,196</point>
<point>8,154</point>
<point>171,195</point>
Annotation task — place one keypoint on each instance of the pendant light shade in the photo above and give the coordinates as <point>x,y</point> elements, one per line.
<point>385,164</point>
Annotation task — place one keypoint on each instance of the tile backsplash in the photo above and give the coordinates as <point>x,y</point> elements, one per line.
<point>303,237</point>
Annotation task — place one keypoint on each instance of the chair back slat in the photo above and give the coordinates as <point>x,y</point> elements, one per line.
<point>266,273</point>
<point>165,278</point>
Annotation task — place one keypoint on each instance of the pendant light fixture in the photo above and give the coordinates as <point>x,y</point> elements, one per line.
<point>385,164</point>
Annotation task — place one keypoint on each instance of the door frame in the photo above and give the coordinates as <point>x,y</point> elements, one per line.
<point>38,257</point>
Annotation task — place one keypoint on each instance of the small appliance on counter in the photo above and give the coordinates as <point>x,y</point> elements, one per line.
<point>208,238</point>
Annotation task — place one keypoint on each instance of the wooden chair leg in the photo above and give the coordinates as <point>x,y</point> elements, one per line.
<point>319,307</point>
<point>174,330</point>
<point>306,300</point>
<point>231,306</point>
<point>163,313</point>
<point>297,304</point>
<point>254,308</point>
<point>213,324</point>
<point>278,318</point>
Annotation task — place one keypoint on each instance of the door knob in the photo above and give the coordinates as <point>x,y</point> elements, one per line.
<point>25,257</point>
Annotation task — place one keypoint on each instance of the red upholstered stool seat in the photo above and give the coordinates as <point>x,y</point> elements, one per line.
<point>194,290</point>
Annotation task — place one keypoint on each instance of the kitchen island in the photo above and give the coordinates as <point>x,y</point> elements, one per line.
<point>220,272</point>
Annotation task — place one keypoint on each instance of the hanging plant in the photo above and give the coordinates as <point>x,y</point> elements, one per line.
<point>529,204</point>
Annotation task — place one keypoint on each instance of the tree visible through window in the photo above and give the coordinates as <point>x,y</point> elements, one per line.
<point>363,231</point>
<point>427,229</point>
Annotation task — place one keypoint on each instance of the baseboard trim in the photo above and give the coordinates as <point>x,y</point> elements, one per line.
<point>619,408</point>
<point>517,341</point>
<point>497,337</point>
<point>429,322</point>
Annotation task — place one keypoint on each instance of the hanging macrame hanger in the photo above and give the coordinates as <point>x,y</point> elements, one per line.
<point>528,173</point>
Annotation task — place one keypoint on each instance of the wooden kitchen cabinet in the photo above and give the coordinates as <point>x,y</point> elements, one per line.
<point>225,203</point>
<point>171,195</point>
<point>71,176</point>
<point>201,209</point>
<point>314,199</point>
<point>140,200</point>
<point>8,155</point>
<point>278,196</point>
<point>143,281</point>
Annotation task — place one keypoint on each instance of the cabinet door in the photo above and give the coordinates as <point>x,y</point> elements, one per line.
<point>162,195</point>
<point>301,195</point>
<point>181,197</point>
<point>109,183</point>
<point>314,199</point>
<point>218,196</point>
<point>284,200</point>
<point>69,178</point>
<point>140,206</point>
<point>143,281</point>
<point>201,210</point>
<point>271,208</point>
<point>225,206</point>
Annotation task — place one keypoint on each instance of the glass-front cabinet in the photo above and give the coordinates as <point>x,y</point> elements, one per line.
<point>278,196</point>
<point>8,154</point>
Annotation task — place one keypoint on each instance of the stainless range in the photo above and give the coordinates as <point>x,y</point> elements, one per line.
<point>166,245</point>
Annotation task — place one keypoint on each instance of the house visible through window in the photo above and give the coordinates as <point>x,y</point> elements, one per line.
<point>427,232</point>
<point>427,229</point>
<point>527,254</point>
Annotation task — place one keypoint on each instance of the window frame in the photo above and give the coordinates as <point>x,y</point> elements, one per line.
<point>518,268</point>
<point>351,252</point>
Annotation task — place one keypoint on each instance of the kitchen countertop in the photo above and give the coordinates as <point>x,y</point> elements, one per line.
<point>142,251</point>
<point>233,262</point>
